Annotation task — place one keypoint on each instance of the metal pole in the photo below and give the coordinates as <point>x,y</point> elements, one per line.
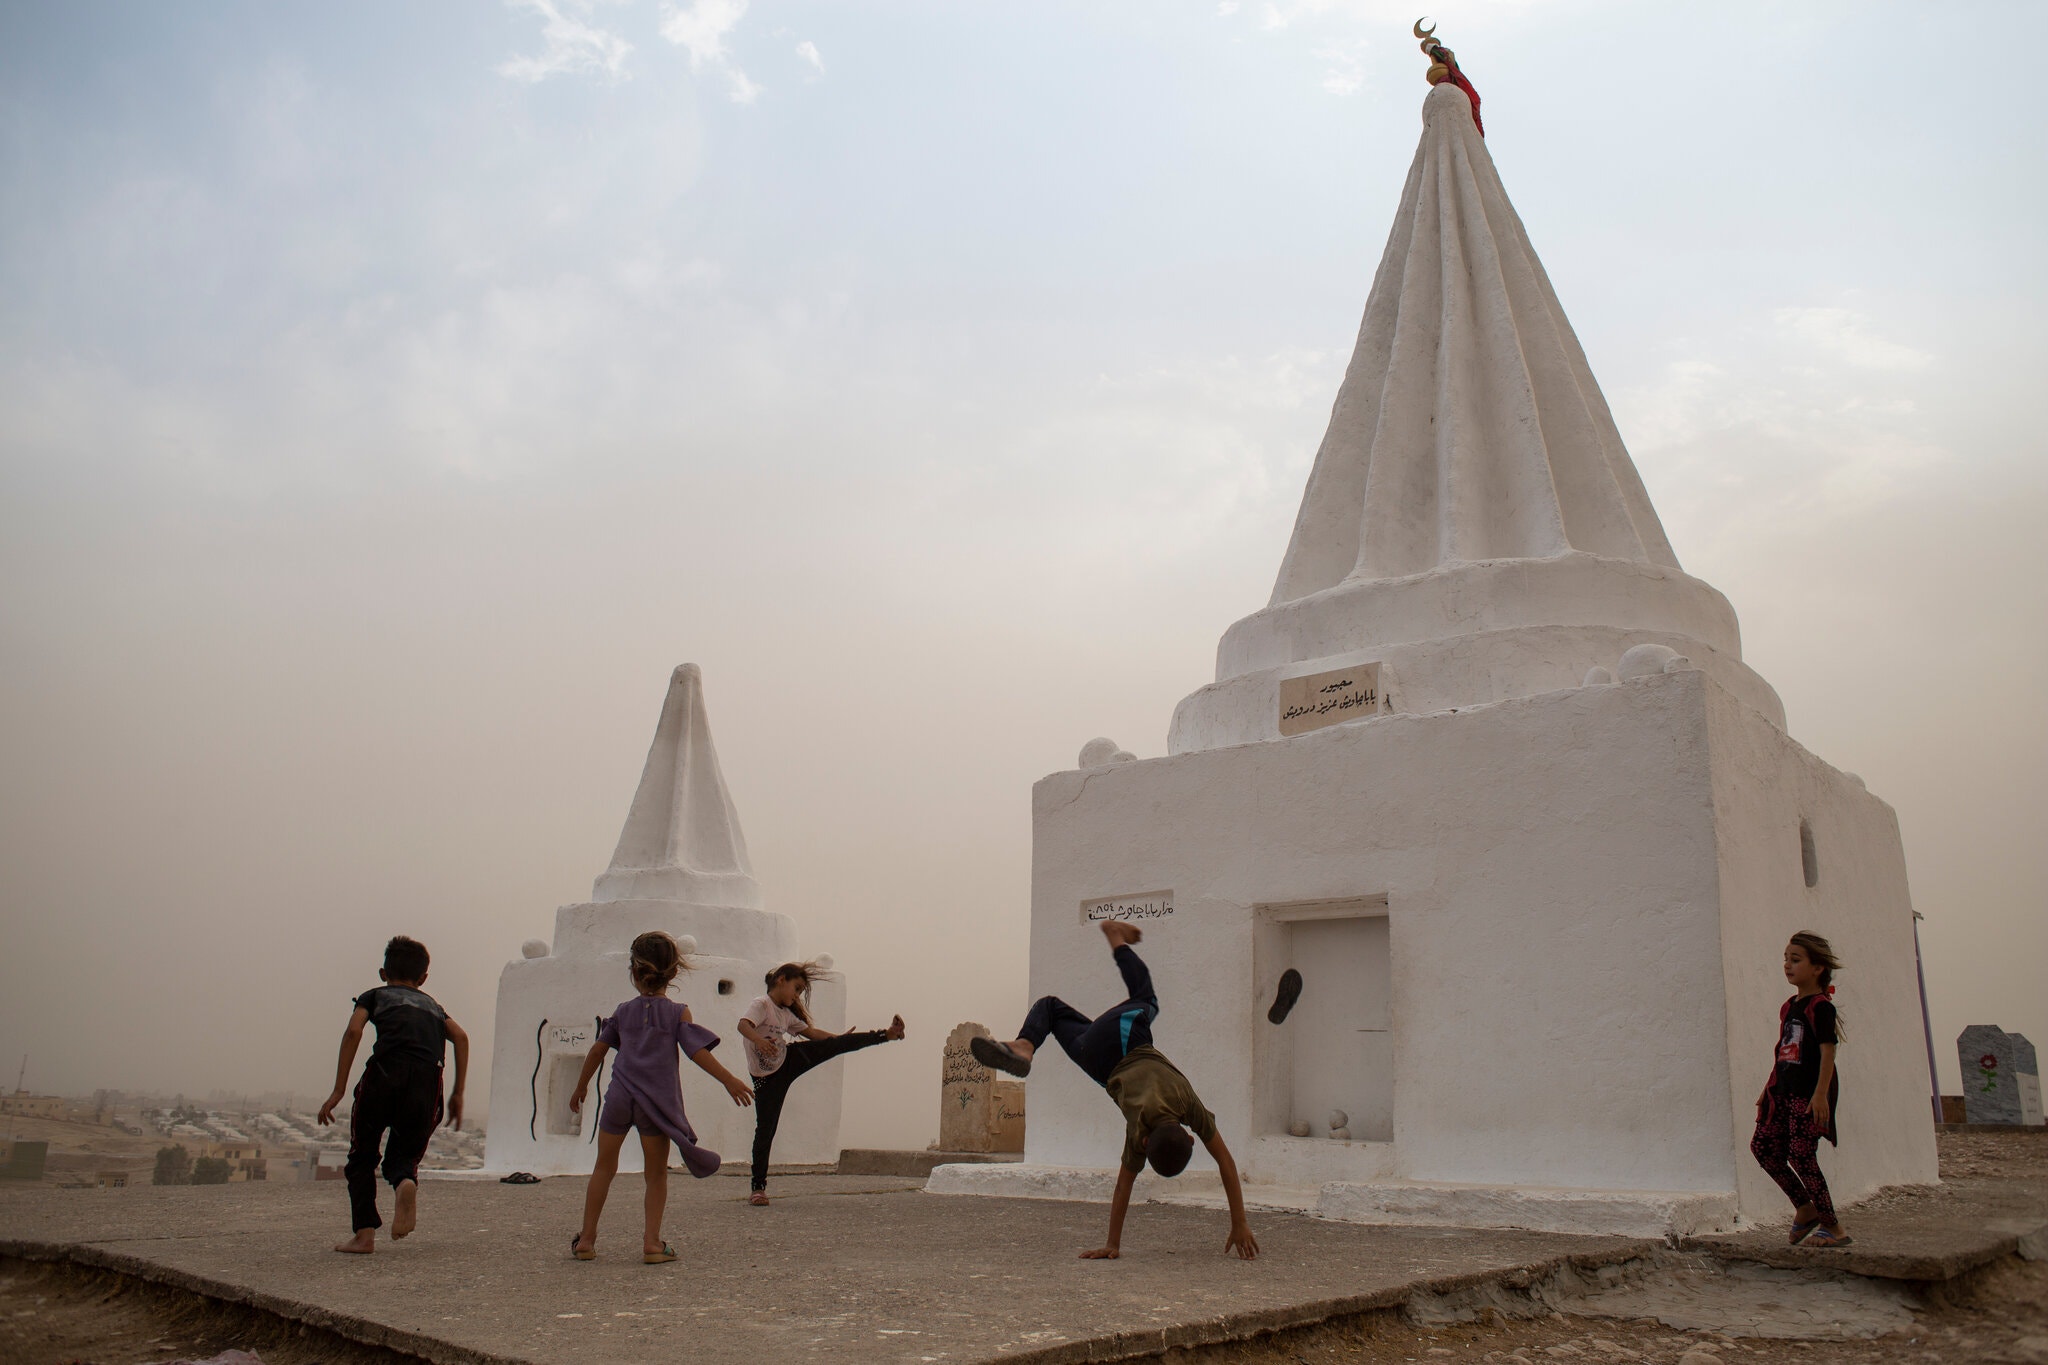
<point>1926,1023</point>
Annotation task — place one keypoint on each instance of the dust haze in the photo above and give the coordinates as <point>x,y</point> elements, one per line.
<point>375,438</point>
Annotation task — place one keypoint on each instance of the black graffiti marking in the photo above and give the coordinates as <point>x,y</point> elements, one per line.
<point>540,1054</point>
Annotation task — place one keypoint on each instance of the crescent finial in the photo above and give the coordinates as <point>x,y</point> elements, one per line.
<point>1422,32</point>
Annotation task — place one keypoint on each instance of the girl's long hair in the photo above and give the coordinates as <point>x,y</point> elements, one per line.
<point>1822,954</point>
<point>805,972</point>
<point>657,959</point>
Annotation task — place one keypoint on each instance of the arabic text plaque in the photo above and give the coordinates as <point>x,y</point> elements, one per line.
<point>1322,699</point>
<point>1139,908</point>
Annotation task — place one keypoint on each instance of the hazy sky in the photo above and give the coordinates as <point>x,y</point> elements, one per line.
<point>392,394</point>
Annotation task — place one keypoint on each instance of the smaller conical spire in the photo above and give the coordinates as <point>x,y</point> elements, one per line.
<point>682,840</point>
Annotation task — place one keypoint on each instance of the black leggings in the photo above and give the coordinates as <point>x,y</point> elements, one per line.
<point>1098,1044</point>
<point>770,1090</point>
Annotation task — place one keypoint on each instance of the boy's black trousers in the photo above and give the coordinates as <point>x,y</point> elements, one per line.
<point>401,1095</point>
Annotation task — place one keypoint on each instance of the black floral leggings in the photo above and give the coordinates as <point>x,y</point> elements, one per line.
<point>772,1089</point>
<point>1787,1146</point>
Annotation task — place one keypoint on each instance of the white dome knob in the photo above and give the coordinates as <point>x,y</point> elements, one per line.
<point>1098,751</point>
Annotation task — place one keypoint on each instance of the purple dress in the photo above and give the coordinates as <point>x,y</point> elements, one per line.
<point>646,1091</point>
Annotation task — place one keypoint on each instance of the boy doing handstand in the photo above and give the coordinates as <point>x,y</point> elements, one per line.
<point>1158,1104</point>
<point>400,1090</point>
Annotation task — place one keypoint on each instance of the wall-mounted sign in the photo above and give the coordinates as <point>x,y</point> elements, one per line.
<point>1147,905</point>
<point>565,1035</point>
<point>1322,699</point>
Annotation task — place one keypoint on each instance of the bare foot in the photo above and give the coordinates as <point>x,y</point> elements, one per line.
<point>406,1216</point>
<point>895,1028</point>
<point>1121,933</point>
<point>362,1244</point>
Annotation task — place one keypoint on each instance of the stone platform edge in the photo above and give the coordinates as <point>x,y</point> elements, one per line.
<point>364,1331</point>
<point>1533,1280</point>
<point>1666,1215</point>
<point>2025,1238</point>
<point>912,1163</point>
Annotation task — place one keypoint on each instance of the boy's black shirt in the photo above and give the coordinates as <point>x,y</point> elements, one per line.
<point>409,1023</point>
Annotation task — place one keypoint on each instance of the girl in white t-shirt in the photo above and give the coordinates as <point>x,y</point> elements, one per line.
<point>782,1044</point>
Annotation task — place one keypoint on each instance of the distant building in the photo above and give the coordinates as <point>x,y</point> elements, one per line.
<point>23,1160</point>
<point>34,1106</point>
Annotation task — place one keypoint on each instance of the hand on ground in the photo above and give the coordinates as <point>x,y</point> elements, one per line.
<point>1242,1242</point>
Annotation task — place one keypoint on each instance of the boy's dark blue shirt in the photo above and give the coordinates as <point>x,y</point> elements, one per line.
<point>409,1023</point>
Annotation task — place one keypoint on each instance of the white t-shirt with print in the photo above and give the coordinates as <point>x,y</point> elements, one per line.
<point>774,1021</point>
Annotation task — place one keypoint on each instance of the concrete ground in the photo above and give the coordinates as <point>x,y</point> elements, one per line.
<point>838,1268</point>
<point>870,1269</point>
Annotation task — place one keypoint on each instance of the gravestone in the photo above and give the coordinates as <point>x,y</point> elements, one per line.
<point>979,1111</point>
<point>2001,1078</point>
<point>2029,1070</point>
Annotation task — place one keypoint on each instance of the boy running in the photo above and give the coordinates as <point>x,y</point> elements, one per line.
<point>400,1090</point>
<point>1158,1104</point>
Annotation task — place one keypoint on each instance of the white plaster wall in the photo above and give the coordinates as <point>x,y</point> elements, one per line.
<point>1470,633</point>
<point>1460,671</point>
<point>1550,870</point>
<point>577,986</point>
<point>1764,784</point>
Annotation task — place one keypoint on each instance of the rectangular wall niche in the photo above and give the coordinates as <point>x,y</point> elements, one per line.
<point>1335,1051</point>
<point>562,1070</point>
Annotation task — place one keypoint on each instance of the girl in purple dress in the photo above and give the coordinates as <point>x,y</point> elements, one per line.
<point>647,1092</point>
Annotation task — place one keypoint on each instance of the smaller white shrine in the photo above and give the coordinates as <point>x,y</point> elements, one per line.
<point>681,866</point>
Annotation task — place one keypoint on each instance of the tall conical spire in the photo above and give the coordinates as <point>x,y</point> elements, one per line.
<point>682,840</point>
<point>1473,529</point>
<point>1469,426</point>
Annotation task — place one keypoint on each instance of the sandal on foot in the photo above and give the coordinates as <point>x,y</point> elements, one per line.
<point>1822,1237</point>
<point>1283,1001</point>
<point>579,1251</point>
<point>667,1253</point>
<point>759,1199</point>
<point>998,1056</point>
<point>1801,1231</point>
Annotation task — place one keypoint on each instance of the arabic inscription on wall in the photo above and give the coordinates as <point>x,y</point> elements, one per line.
<point>1139,908</point>
<point>1322,699</point>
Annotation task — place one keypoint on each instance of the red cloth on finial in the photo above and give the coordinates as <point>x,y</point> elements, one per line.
<point>1457,78</point>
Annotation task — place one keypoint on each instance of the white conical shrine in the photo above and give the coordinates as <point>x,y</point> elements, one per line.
<point>681,866</point>
<point>1490,773</point>
<point>1473,524</point>
<point>682,840</point>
